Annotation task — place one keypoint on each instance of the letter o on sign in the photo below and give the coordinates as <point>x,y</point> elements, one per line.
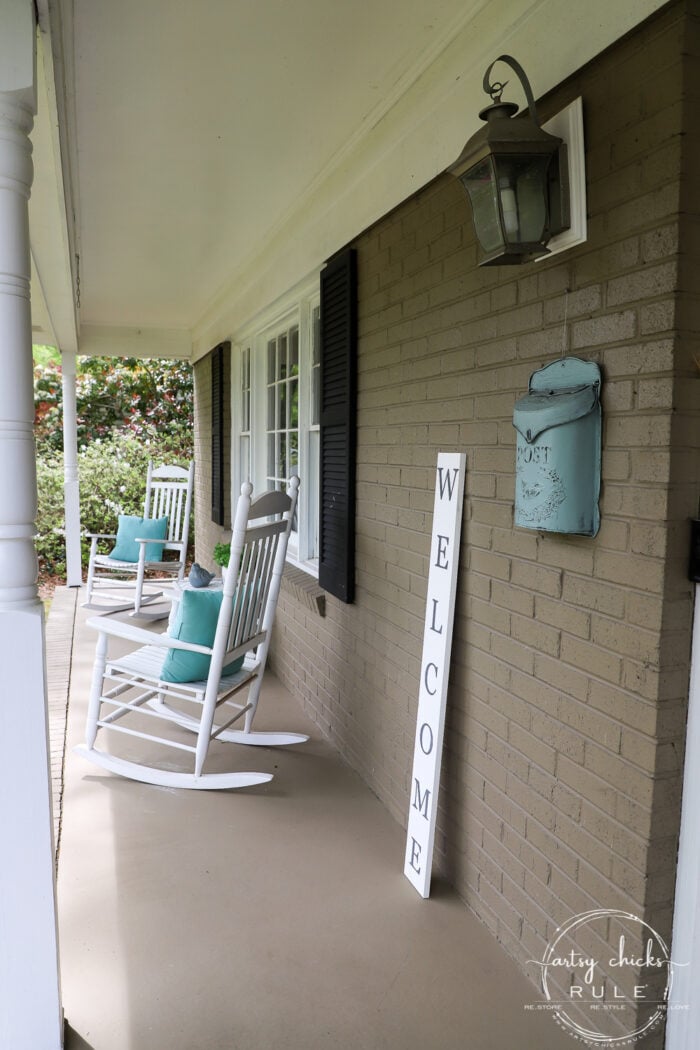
<point>426,736</point>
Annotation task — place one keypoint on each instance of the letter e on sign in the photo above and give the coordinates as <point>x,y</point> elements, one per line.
<point>435,667</point>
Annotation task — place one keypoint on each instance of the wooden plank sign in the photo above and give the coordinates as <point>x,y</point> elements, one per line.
<point>435,667</point>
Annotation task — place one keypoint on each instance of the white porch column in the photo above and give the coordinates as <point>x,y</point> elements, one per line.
<point>683,1021</point>
<point>71,488</point>
<point>30,1017</point>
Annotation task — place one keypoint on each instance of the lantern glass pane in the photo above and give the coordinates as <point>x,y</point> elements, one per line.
<point>532,200</point>
<point>480,184</point>
<point>522,184</point>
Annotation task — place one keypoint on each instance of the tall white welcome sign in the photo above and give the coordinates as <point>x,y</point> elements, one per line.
<point>435,667</point>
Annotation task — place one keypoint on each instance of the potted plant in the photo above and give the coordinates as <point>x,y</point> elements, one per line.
<point>221,555</point>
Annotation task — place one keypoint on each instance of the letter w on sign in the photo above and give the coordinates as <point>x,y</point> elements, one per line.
<point>435,667</point>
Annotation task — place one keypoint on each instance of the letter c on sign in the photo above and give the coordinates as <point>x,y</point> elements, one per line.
<point>430,692</point>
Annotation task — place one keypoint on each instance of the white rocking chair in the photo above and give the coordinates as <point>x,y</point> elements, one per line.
<point>132,689</point>
<point>168,502</point>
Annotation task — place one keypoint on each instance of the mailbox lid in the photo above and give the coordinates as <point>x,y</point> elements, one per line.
<point>537,412</point>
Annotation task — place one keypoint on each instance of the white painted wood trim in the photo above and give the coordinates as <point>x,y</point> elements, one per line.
<point>71,485</point>
<point>435,669</point>
<point>568,125</point>
<point>683,1022</point>
<point>30,1016</point>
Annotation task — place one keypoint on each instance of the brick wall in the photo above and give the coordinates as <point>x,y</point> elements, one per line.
<point>563,747</point>
<point>206,533</point>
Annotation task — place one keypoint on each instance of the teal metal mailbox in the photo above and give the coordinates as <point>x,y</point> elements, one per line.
<point>557,474</point>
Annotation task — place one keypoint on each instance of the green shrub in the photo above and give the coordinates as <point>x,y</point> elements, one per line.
<point>112,475</point>
<point>128,411</point>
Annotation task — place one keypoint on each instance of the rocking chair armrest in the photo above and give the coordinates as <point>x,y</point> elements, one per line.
<point>149,539</point>
<point>119,629</point>
<point>101,535</point>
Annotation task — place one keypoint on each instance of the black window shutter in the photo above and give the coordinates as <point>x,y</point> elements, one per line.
<point>336,570</point>
<point>218,452</point>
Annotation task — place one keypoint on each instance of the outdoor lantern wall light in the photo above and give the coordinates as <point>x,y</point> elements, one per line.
<point>516,176</point>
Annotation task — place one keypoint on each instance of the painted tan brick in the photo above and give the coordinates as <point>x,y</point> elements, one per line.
<point>536,635</point>
<point>551,848</point>
<point>625,777</point>
<point>574,556</point>
<point>618,396</point>
<point>588,723</point>
<point>593,595</point>
<point>648,283</point>
<point>608,328</point>
<point>632,571</point>
<point>444,351</point>
<point>588,784</point>
<point>646,357</point>
<point>624,640</point>
<point>537,695</point>
<point>569,680</point>
<point>583,844</point>
<point>518,544</point>
<point>537,578</point>
<point>573,304</point>
<point>634,501</point>
<point>592,658</point>
<point>567,802</point>
<point>655,393</point>
<point>522,319</point>
<point>657,317</point>
<point>513,653</point>
<point>650,540</point>
<point>510,597</point>
<point>562,739</point>
<point>494,565</point>
<point>565,617</point>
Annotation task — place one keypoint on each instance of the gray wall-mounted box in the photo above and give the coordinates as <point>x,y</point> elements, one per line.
<point>558,424</point>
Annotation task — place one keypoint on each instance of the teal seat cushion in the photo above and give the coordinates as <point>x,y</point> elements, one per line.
<point>195,621</point>
<point>130,528</point>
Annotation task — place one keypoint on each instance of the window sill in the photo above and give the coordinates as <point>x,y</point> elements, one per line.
<point>304,587</point>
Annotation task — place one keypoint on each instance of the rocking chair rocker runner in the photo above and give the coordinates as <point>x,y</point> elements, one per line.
<point>139,688</point>
<point>141,544</point>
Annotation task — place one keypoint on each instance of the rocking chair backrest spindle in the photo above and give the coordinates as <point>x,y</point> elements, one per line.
<point>169,496</point>
<point>254,572</point>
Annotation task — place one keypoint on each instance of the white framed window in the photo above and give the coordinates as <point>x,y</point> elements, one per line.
<point>275,412</point>
<point>244,443</point>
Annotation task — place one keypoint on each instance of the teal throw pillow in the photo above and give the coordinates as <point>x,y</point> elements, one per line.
<point>195,621</point>
<point>127,549</point>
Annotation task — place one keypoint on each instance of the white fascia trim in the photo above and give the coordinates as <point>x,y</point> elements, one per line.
<point>397,152</point>
<point>269,316</point>
<point>50,236</point>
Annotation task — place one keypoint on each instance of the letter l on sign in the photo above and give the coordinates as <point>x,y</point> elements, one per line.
<point>435,667</point>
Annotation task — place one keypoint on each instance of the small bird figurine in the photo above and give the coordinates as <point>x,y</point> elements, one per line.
<point>199,577</point>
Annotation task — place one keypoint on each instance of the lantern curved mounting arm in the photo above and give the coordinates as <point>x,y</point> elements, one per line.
<point>495,90</point>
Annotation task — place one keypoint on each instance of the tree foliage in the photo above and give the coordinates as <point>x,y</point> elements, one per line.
<point>147,398</point>
<point>129,411</point>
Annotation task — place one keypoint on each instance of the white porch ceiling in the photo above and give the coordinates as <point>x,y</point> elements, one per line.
<point>195,134</point>
<point>198,125</point>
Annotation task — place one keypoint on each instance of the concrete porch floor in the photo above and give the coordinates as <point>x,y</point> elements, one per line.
<point>271,918</point>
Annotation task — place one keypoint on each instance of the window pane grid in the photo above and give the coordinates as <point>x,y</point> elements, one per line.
<point>315,366</point>
<point>282,408</point>
<point>245,443</point>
